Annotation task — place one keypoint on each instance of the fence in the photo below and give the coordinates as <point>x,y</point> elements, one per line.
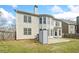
<point>75,36</point>
<point>7,35</point>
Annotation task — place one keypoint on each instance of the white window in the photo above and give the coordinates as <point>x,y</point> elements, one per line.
<point>52,22</point>
<point>48,32</point>
<point>57,23</point>
<point>59,32</point>
<point>55,32</point>
<point>44,20</point>
<point>27,19</point>
<point>27,31</point>
<point>48,20</point>
<point>40,20</point>
<point>51,32</point>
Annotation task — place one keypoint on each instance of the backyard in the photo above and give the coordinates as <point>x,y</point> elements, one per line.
<point>32,46</point>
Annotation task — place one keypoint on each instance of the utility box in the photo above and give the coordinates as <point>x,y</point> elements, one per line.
<point>43,36</point>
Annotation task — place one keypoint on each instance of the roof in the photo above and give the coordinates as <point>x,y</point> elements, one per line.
<point>69,22</point>
<point>24,12</point>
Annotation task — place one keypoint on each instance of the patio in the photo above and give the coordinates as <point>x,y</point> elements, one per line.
<point>58,40</point>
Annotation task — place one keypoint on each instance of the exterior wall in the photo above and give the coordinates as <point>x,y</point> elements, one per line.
<point>77,21</point>
<point>77,28</point>
<point>35,26</point>
<point>50,26</point>
<point>20,25</point>
<point>59,27</point>
<point>64,28</point>
<point>71,29</point>
<point>68,29</point>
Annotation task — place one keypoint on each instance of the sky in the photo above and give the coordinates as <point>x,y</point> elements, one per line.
<point>7,16</point>
<point>69,12</point>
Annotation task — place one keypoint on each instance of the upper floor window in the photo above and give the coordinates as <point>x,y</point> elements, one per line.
<point>48,20</point>
<point>27,19</point>
<point>57,23</point>
<point>71,27</point>
<point>40,20</point>
<point>44,20</point>
<point>52,22</point>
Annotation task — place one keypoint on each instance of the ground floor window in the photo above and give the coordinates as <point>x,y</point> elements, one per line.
<point>27,31</point>
<point>48,32</point>
<point>55,32</point>
<point>59,32</point>
<point>51,32</point>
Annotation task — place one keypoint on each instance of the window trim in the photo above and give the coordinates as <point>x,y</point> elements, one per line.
<point>27,18</point>
<point>59,32</point>
<point>40,20</point>
<point>44,20</point>
<point>57,23</point>
<point>27,31</point>
<point>55,33</point>
<point>51,32</point>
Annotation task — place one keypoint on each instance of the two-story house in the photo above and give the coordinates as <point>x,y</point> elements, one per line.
<point>68,27</point>
<point>29,24</point>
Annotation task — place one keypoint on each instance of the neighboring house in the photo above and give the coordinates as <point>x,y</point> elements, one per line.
<point>77,27</point>
<point>29,24</point>
<point>68,27</point>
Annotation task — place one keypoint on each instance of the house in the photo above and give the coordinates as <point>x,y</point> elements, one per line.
<point>77,21</point>
<point>29,24</point>
<point>68,27</point>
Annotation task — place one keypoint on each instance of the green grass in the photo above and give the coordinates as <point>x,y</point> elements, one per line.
<point>22,46</point>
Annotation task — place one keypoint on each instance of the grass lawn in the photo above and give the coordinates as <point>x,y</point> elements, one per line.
<point>34,46</point>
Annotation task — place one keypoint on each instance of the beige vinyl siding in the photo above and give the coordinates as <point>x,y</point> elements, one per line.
<point>20,25</point>
<point>71,29</point>
<point>34,23</point>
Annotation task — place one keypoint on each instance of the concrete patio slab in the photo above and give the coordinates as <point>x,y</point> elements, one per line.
<point>57,40</point>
